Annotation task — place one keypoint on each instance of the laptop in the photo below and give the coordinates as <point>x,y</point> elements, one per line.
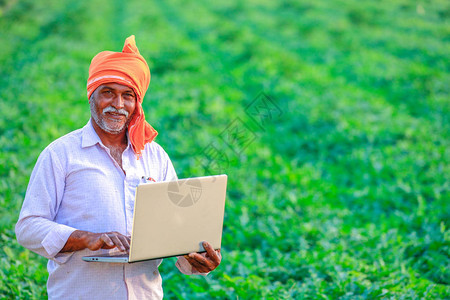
<point>173,218</point>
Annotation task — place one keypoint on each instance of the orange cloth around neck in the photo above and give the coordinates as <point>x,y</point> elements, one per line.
<point>128,68</point>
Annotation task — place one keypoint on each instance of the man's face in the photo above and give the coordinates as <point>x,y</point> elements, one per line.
<point>112,107</point>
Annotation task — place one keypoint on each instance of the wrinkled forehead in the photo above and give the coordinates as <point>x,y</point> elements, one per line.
<point>116,87</point>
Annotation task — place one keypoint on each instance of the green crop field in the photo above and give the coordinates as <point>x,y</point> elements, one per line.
<point>331,119</point>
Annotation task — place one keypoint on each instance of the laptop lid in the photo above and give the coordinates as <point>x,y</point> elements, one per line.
<point>173,218</point>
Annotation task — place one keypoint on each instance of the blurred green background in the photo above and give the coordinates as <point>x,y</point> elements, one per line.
<point>343,193</point>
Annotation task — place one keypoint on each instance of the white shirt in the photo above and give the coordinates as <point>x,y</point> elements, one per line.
<point>76,184</point>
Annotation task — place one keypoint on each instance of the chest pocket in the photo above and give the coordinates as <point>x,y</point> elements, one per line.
<point>133,180</point>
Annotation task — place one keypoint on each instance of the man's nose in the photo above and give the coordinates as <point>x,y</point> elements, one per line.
<point>118,101</point>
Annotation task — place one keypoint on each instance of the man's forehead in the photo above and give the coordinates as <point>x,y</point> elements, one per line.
<point>115,86</point>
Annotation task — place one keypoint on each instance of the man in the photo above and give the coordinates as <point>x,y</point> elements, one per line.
<point>80,197</point>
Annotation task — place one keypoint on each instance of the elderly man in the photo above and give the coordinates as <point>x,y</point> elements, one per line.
<point>80,197</point>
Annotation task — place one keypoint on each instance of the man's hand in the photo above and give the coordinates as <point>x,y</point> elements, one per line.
<point>107,240</point>
<point>205,262</point>
<point>80,240</point>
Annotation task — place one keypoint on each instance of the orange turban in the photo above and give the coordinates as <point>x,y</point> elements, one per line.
<point>128,68</point>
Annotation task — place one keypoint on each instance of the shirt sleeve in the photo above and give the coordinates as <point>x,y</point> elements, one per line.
<point>36,228</point>
<point>169,172</point>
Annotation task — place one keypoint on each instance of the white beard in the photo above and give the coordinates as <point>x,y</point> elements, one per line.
<point>112,127</point>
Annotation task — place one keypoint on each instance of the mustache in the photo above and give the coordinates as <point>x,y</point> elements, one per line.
<point>114,110</point>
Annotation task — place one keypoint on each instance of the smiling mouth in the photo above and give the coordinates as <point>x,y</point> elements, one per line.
<point>115,115</point>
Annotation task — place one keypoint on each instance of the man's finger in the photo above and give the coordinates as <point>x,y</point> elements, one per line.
<point>124,241</point>
<point>200,259</point>
<point>117,241</point>
<point>105,238</point>
<point>211,252</point>
<point>194,263</point>
<point>219,255</point>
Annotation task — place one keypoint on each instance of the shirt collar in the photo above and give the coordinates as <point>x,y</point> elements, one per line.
<point>90,137</point>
